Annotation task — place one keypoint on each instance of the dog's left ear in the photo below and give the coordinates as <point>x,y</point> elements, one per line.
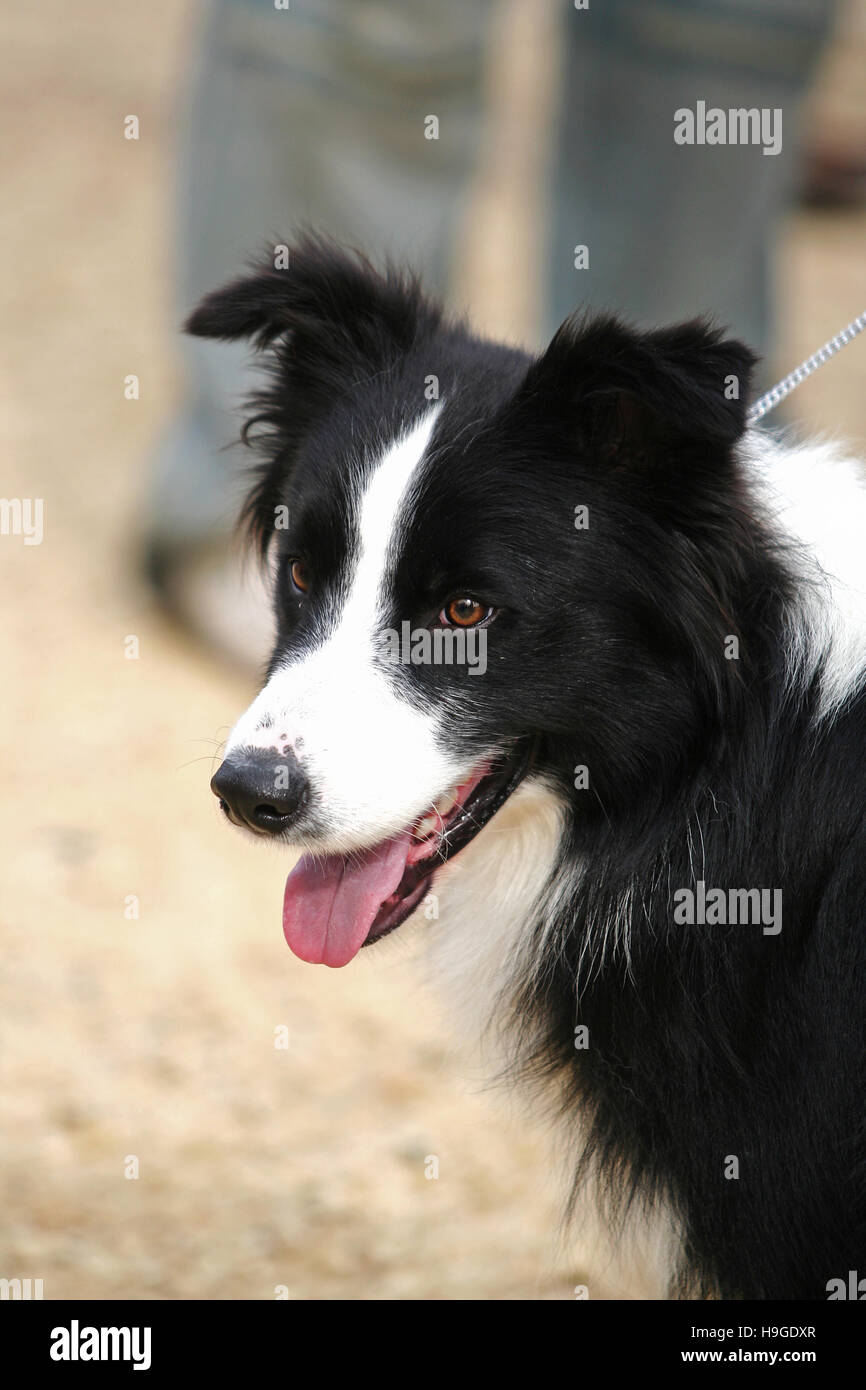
<point>630,398</point>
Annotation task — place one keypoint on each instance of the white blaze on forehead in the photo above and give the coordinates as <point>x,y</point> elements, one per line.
<point>381,511</point>
<point>372,758</point>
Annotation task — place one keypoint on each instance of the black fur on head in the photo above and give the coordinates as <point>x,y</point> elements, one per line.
<point>640,427</point>
<point>330,321</point>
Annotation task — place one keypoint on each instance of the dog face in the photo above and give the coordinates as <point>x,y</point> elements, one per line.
<point>473,555</point>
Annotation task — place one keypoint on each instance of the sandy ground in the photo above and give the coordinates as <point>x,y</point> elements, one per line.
<point>154,1039</point>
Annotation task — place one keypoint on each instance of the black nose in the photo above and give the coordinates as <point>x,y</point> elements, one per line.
<point>261,789</point>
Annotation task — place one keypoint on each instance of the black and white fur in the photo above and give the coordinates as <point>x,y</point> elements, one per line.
<point>417,460</point>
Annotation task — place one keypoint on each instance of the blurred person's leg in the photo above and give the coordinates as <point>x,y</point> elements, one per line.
<point>312,114</point>
<point>673,230</point>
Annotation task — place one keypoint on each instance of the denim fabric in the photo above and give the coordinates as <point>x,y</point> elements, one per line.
<point>316,114</point>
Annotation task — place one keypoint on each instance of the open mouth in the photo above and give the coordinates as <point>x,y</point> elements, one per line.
<point>336,903</point>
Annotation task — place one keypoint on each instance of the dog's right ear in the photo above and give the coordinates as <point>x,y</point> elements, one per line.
<point>325,301</point>
<point>328,321</point>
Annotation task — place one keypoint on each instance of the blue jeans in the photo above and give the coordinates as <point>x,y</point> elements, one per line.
<point>315,114</point>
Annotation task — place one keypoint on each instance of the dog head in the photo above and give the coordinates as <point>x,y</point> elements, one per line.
<point>474,553</point>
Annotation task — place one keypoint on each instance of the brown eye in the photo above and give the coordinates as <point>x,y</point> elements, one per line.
<point>300,575</point>
<point>465,612</point>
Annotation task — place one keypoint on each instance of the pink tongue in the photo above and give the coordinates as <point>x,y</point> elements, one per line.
<point>331,903</point>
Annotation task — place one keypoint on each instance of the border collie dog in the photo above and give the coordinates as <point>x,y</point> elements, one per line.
<point>632,838</point>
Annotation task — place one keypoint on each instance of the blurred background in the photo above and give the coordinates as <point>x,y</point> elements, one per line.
<point>158,1139</point>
